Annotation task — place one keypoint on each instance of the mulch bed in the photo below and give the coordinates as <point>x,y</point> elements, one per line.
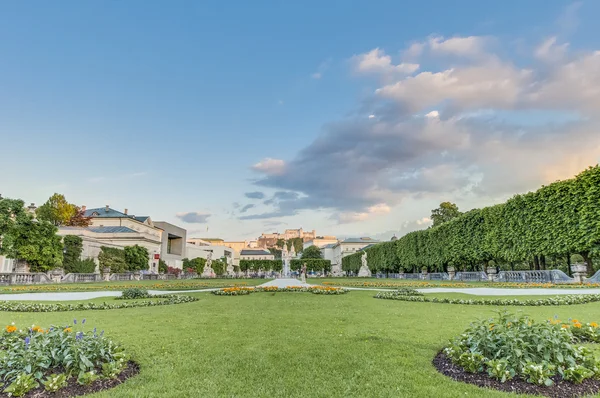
<point>560,388</point>
<point>75,389</point>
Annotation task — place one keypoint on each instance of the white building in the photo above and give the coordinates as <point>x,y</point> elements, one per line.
<point>218,251</point>
<point>320,241</point>
<point>347,247</point>
<point>256,254</point>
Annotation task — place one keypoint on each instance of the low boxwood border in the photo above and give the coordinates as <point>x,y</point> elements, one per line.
<point>558,300</point>
<point>11,306</point>
<point>242,291</point>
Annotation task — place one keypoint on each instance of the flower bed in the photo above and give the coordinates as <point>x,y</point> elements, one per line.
<point>60,360</point>
<point>119,286</point>
<point>557,300</point>
<point>165,299</point>
<point>518,348</point>
<point>529,285</point>
<point>240,291</point>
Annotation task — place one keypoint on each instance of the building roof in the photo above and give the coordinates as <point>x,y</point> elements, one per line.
<point>360,240</point>
<point>366,247</point>
<point>329,246</point>
<point>107,212</point>
<point>254,252</point>
<point>111,230</point>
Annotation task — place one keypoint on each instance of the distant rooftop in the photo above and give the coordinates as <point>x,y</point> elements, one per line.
<point>103,230</point>
<point>254,252</point>
<point>329,246</point>
<point>360,240</point>
<point>107,212</point>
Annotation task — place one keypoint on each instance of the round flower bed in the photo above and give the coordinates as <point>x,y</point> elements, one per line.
<point>557,300</point>
<point>516,353</point>
<point>166,299</point>
<point>60,361</point>
<point>240,291</point>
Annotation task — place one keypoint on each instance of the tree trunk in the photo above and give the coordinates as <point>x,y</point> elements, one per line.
<point>588,261</point>
<point>512,265</point>
<point>536,263</point>
<point>569,272</point>
<point>542,262</point>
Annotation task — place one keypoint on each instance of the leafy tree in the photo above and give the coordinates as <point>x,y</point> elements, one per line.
<point>79,219</point>
<point>34,242</point>
<point>297,243</point>
<point>219,266</point>
<point>73,247</point>
<point>136,257</point>
<point>56,210</point>
<point>11,212</point>
<point>197,264</point>
<point>112,258</point>
<point>312,264</point>
<point>446,212</point>
<point>162,266</point>
<point>276,252</point>
<point>280,243</point>
<point>87,266</point>
<point>312,252</point>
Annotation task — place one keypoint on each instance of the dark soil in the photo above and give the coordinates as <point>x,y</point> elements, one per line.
<point>75,389</point>
<point>560,389</point>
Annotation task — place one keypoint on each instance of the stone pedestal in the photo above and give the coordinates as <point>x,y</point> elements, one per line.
<point>401,274</point>
<point>336,270</point>
<point>364,272</point>
<point>579,272</point>
<point>303,278</point>
<point>451,273</point>
<point>208,272</point>
<point>137,276</point>
<point>424,273</point>
<point>491,272</point>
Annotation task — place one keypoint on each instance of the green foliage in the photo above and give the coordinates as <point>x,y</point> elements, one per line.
<point>73,247</point>
<point>577,374</point>
<point>87,378</point>
<point>446,212</point>
<point>280,243</point>
<point>312,264</point>
<point>22,384</point>
<point>34,242</point>
<point>312,252</point>
<point>517,345</point>
<point>136,257</point>
<point>219,266</point>
<point>32,354</point>
<point>55,382</point>
<point>134,293</point>
<point>557,220</point>
<point>276,252</point>
<point>297,243</point>
<point>265,265</point>
<point>87,266</point>
<point>12,211</point>
<point>196,264</point>
<point>163,268</point>
<point>113,258</point>
<point>56,210</point>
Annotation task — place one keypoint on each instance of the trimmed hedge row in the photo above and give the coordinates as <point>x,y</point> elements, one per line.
<point>265,265</point>
<point>557,220</point>
<point>312,264</point>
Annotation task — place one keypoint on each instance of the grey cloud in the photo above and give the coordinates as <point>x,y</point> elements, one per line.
<point>246,208</point>
<point>193,217</point>
<point>264,216</point>
<point>255,195</point>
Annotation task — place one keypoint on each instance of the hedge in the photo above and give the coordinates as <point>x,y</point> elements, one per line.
<point>265,265</point>
<point>312,264</point>
<point>557,220</point>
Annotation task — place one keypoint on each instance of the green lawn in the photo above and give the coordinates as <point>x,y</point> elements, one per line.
<point>290,345</point>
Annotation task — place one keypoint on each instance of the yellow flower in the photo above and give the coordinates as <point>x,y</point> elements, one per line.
<point>577,325</point>
<point>67,330</point>
<point>594,324</point>
<point>575,321</point>
<point>565,326</point>
<point>11,329</point>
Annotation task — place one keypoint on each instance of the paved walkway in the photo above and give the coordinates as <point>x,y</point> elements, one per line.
<point>475,291</point>
<point>284,282</point>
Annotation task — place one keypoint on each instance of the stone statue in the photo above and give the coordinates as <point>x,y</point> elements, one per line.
<point>364,271</point>
<point>208,272</point>
<point>230,270</point>
<point>303,275</point>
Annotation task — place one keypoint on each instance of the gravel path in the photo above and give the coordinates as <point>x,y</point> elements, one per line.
<point>475,291</point>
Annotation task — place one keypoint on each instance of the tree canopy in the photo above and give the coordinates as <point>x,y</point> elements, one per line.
<point>446,212</point>
<point>311,252</point>
<point>58,211</point>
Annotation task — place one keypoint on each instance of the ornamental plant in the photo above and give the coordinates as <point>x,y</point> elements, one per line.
<point>134,293</point>
<point>50,356</point>
<point>515,345</point>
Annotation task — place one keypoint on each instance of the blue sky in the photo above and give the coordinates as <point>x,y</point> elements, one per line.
<point>164,108</point>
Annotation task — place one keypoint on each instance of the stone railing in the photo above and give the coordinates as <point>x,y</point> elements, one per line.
<point>81,278</point>
<point>151,277</point>
<point>537,276</point>
<point>471,276</point>
<point>124,277</point>
<point>24,278</point>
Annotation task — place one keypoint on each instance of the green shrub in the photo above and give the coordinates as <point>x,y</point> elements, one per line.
<point>87,266</point>
<point>517,345</point>
<point>21,385</point>
<point>55,382</point>
<point>134,293</point>
<point>408,291</point>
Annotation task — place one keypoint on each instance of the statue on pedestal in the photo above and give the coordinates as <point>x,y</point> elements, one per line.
<point>208,272</point>
<point>364,271</point>
<point>303,275</point>
<point>230,270</point>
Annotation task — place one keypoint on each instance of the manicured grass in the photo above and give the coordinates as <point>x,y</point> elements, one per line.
<point>291,345</point>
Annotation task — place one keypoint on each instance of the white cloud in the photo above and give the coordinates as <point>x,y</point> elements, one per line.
<point>459,46</point>
<point>424,221</point>
<point>375,210</point>
<point>433,115</point>
<point>550,51</point>
<point>376,61</point>
<point>371,116</point>
<point>270,166</point>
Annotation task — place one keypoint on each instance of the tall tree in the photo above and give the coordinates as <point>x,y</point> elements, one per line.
<point>56,210</point>
<point>73,247</point>
<point>446,212</point>
<point>79,219</point>
<point>311,252</point>
<point>136,257</point>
